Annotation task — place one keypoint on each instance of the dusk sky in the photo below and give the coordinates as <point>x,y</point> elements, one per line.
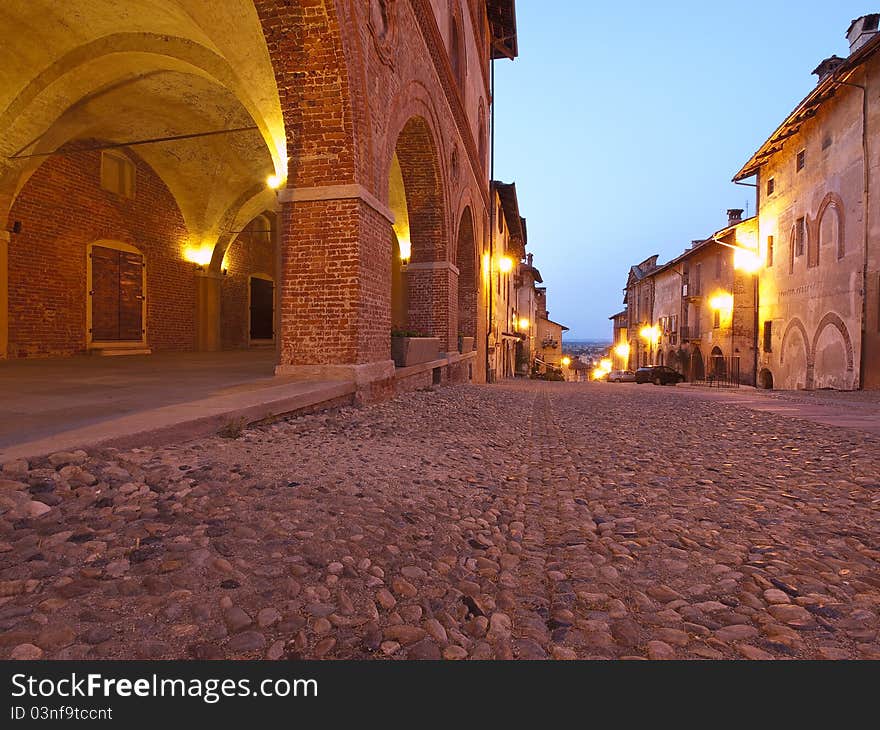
<point>622,127</point>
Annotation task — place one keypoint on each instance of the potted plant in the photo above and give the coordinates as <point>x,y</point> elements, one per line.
<point>411,347</point>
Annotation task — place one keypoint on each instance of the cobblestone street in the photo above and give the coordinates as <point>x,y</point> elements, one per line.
<point>525,520</point>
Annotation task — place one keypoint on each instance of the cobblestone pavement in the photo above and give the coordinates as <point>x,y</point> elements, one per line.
<point>528,520</point>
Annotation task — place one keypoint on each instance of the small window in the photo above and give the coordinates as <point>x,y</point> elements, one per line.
<point>716,319</point>
<point>800,235</point>
<point>117,174</point>
<point>771,186</point>
<point>769,251</point>
<point>801,160</point>
<point>768,336</point>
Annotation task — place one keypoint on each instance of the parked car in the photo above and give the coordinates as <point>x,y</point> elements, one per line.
<point>621,376</point>
<point>659,375</point>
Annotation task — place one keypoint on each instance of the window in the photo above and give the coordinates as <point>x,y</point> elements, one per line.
<point>771,186</point>
<point>117,174</point>
<point>719,265</point>
<point>716,319</point>
<point>800,236</point>
<point>769,251</point>
<point>698,283</point>
<point>768,336</point>
<point>801,160</point>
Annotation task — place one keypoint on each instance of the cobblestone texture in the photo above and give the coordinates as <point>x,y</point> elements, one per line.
<point>526,521</point>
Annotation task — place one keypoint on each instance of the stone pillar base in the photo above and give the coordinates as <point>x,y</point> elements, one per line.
<point>374,380</point>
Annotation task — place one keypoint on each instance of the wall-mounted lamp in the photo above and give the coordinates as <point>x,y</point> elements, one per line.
<point>505,264</point>
<point>524,324</point>
<point>273,182</point>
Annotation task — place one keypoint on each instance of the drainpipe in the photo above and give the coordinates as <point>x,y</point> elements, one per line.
<point>866,198</point>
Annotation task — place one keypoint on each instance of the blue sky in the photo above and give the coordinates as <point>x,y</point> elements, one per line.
<point>622,127</point>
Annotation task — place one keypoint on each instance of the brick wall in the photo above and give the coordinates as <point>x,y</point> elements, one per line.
<point>63,209</point>
<point>252,252</point>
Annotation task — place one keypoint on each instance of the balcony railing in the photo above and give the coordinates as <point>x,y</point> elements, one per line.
<point>690,332</point>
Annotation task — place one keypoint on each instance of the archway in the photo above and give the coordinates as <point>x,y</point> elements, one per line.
<point>795,371</point>
<point>155,122</point>
<point>466,262</point>
<point>765,379</point>
<point>416,198</point>
<point>832,354</point>
<point>698,371</point>
<point>718,366</point>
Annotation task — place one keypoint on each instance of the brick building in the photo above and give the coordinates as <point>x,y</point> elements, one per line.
<point>192,175</point>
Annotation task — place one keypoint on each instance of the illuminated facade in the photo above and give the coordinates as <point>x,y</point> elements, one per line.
<point>819,235</point>
<point>192,175</point>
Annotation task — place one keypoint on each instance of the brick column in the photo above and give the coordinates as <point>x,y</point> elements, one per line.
<point>4,294</point>
<point>432,288</point>
<point>335,285</point>
<point>208,311</point>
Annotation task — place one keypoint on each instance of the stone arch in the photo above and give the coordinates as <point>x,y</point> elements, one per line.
<point>660,357</point>
<point>698,368</point>
<point>831,206</point>
<point>466,262</point>
<point>765,379</point>
<point>795,328</point>
<point>832,357</point>
<point>718,366</point>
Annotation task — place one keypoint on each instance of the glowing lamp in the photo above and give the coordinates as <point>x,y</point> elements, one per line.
<point>524,324</point>
<point>273,182</point>
<point>405,246</point>
<point>622,351</point>
<point>566,361</point>
<point>199,255</point>
<point>606,365</point>
<point>722,302</point>
<point>747,260</point>
<point>505,264</point>
<point>651,334</point>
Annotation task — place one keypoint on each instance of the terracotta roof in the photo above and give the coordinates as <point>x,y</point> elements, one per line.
<point>510,206</point>
<point>808,108</point>
<point>502,23</point>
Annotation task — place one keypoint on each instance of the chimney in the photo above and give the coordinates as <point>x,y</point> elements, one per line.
<point>861,30</point>
<point>828,67</point>
<point>734,216</point>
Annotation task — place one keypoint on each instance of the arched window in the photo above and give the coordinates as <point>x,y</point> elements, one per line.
<point>457,56</point>
<point>830,226</point>
<point>481,136</point>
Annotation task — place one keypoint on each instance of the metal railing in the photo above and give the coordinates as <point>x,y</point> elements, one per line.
<point>720,372</point>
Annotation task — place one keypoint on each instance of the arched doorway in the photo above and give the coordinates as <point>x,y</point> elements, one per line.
<point>765,379</point>
<point>698,370</point>
<point>422,276</point>
<point>718,365</point>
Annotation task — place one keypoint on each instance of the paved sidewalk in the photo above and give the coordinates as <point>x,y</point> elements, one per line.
<point>524,520</point>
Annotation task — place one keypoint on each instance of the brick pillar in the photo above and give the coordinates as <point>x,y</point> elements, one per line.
<point>208,311</point>
<point>432,289</point>
<point>4,294</point>
<point>335,286</point>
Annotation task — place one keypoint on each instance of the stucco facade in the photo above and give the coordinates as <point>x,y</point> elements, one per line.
<point>820,233</point>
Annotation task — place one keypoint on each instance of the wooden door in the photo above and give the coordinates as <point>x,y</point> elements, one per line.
<point>117,295</point>
<point>262,309</point>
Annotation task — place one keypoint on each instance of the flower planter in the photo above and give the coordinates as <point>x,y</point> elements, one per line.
<point>408,351</point>
<point>465,344</point>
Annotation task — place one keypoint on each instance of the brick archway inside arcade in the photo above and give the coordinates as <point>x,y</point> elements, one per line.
<point>157,130</point>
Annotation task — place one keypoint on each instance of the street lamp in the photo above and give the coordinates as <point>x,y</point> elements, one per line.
<point>505,264</point>
<point>651,335</point>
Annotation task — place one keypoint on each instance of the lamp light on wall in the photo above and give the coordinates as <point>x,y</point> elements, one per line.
<point>650,333</point>
<point>199,255</point>
<point>505,264</point>
<point>566,361</point>
<point>273,182</point>
<point>622,351</point>
<point>524,323</point>
<point>747,260</point>
<point>405,246</point>
<point>722,302</point>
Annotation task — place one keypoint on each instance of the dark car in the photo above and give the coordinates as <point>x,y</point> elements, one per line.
<point>659,375</point>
